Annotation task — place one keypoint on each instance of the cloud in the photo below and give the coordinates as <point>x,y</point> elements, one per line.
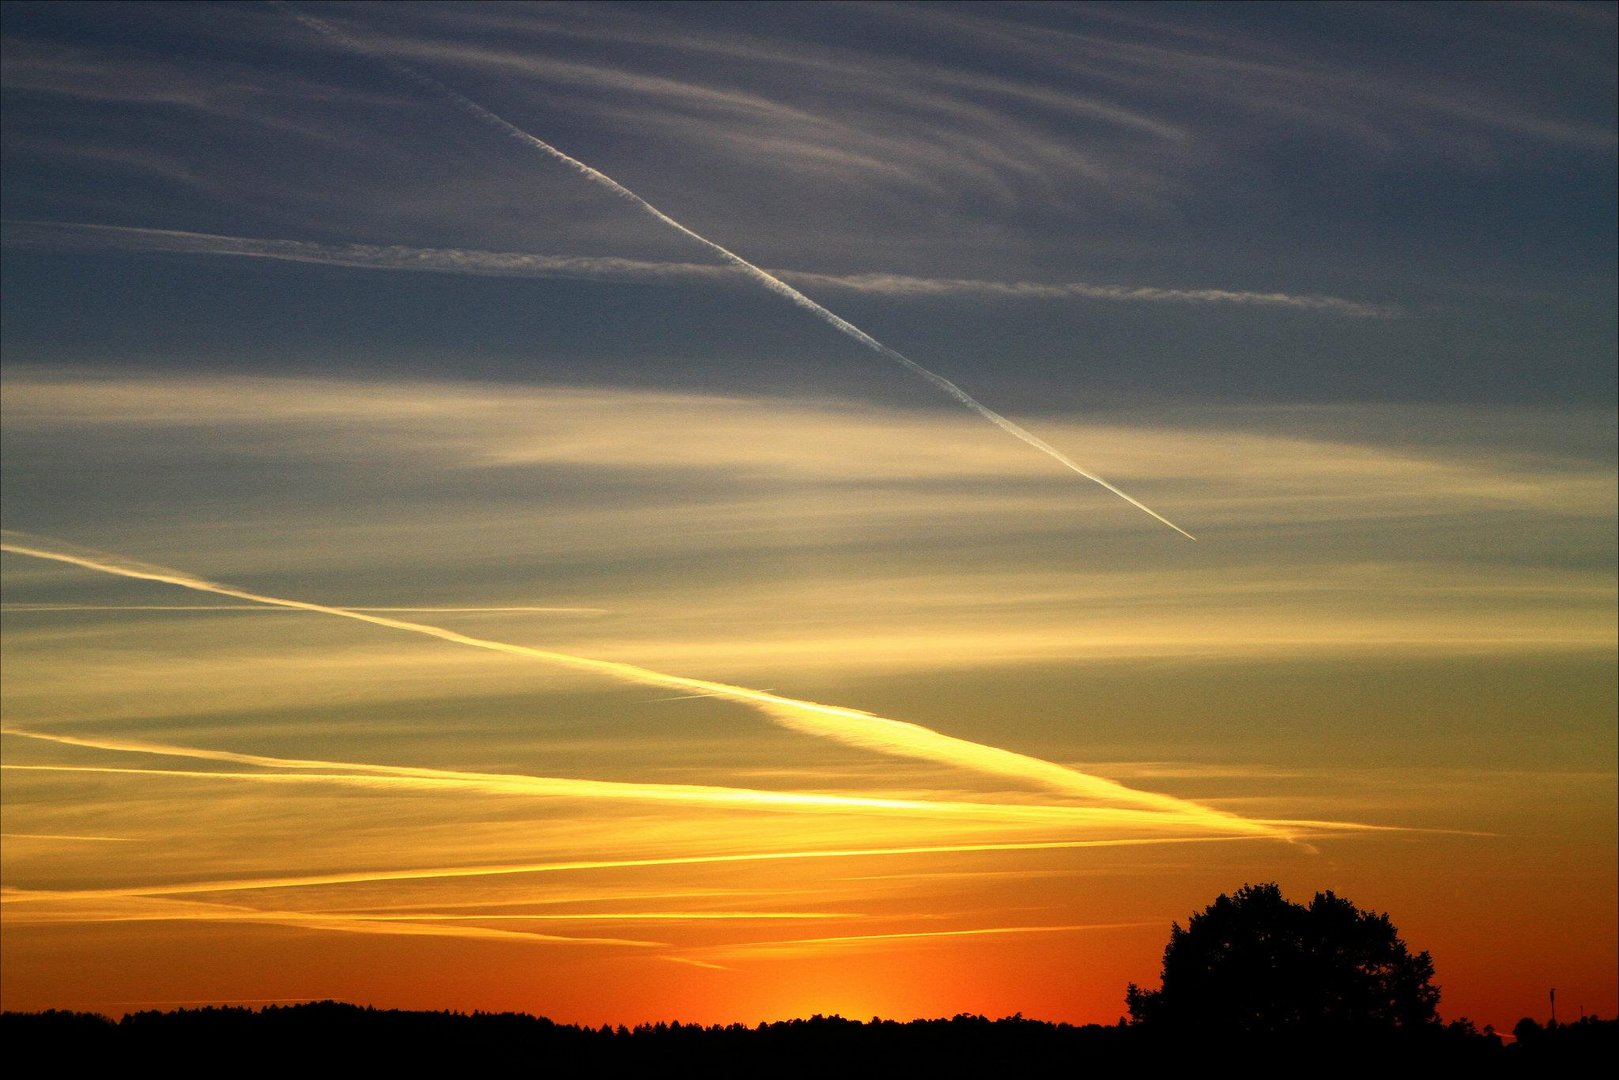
<point>504,609</point>
<point>79,237</point>
<point>20,908</point>
<point>69,839</point>
<point>1334,535</point>
<point>1377,100</point>
<point>810,945</point>
<point>384,777</point>
<point>440,873</point>
<point>64,236</point>
<point>1322,457</point>
<point>850,726</point>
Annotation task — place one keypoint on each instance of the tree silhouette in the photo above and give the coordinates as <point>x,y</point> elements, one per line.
<point>1255,964</point>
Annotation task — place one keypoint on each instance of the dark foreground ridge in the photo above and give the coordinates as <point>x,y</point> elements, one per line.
<point>327,1034</point>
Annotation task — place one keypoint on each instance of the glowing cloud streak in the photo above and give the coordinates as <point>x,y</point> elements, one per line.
<point>48,608</point>
<point>70,908</point>
<point>69,838</point>
<point>384,777</point>
<point>848,726</point>
<point>10,895</point>
<point>763,277</point>
<point>809,944</point>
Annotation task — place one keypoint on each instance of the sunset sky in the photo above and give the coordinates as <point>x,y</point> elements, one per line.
<point>432,581</point>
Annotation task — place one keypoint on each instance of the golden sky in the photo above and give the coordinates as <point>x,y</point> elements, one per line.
<point>832,709</point>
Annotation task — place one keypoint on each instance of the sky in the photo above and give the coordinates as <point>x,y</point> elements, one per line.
<point>433,580</point>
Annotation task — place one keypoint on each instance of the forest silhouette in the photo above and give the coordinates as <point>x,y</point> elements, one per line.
<point>1252,979</point>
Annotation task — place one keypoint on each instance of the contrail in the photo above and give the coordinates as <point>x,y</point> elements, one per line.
<point>502,610</point>
<point>763,277</point>
<point>77,236</point>
<point>863,939</point>
<point>12,895</point>
<point>137,909</point>
<point>601,789</point>
<point>367,775</point>
<point>849,726</point>
<point>70,838</point>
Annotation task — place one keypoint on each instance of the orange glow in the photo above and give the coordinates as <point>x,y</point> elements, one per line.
<point>1039,767</point>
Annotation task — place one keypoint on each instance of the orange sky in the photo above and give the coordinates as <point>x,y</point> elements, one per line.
<point>993,803</point>
<point>430,579</point>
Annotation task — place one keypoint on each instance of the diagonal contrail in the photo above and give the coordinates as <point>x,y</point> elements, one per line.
<point>851,727</point>
<point>763,277</point>
<point>372,776</point>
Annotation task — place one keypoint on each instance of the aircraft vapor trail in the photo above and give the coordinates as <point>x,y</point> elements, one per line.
<point>74,236</point>
<point>851,727</point>
<point>505,610</point>
<point>763,277</point>
<point>862,939</point>
<point>76,908</point>
<point>367,775</point>
<point>11,895</point>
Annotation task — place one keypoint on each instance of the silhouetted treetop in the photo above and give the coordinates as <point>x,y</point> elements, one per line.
<point>1254,963</point>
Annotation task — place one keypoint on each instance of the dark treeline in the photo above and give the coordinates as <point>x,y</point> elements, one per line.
<point>322,1035</point>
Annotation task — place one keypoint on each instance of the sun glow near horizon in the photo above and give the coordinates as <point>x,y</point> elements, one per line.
<point>428,582</point>
<point>441,848</point>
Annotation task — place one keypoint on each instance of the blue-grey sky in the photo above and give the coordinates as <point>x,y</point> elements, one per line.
<point>1447,173</point>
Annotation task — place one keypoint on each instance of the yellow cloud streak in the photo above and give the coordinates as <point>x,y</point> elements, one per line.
<point>500,610</point>
<point>38,918</point>
<point>549,787</point>
<point>696,963</point>
<point>193,911</point>
<point>11,895</point>
<point>69,838</point>
<point>383,776</point>
<point>849,726</point>
<point>807,944</point>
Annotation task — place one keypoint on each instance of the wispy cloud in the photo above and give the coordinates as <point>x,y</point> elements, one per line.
<point>696,963</point>
<point>849,726</point>
<point>64,236</point>
<point>1389,101</point>
<point>441,873</point>
<point>898,285</point>
<point>365,775</point>
<point>505,609</point>
<point>59,909</point>
<point>70,839</point>
<point>803,945</point>
<point>85,237</point>
<point>791,476</point>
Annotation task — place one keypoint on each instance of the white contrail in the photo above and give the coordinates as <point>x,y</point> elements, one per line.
<point>85,236</point>
<point>849,726</point>
<point>768,280</point>
<point>81,236</point>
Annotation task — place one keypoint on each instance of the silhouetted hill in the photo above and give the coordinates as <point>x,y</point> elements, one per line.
<point>325,1035</point>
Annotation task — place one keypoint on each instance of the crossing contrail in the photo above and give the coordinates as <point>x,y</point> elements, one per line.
<point>852,727</point>
<point>763,277</point>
